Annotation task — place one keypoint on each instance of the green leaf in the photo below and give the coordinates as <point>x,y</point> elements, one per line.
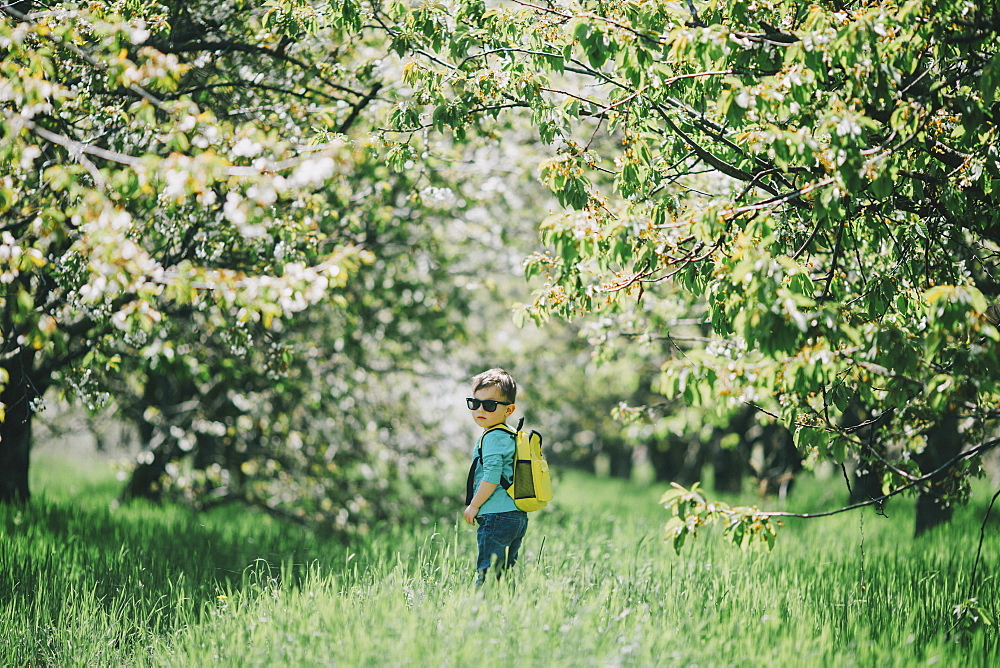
<point>679,538</point>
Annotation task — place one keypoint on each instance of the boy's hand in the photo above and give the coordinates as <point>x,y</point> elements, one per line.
<point>470,514</point>
<point>482,494</point>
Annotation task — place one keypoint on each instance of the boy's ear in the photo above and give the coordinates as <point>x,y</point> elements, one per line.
<point>510,409</point>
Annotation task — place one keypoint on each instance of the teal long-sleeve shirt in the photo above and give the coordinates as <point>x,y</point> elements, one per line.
<point>497,462</point>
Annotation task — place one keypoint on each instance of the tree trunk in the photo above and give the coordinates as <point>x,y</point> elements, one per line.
<point>729,465</point>
<point>867,485</point>
<point>620,460</point>
<point>930,513</point>
<point>865,482</point>
<point>943,444</point>
<point>732,464</point>
<point>144,483</point>
<point>15,429</point>
<point>665,457</point>
<point>780,463</point>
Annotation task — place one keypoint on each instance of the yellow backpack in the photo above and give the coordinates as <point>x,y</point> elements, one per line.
<point>531,488</point>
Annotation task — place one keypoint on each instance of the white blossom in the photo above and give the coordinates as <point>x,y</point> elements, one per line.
<point>312,172</point>
<point>246,148</point>
<point>234,209</point>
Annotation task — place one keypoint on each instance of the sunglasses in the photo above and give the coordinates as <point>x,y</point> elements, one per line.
<point>489,405</point>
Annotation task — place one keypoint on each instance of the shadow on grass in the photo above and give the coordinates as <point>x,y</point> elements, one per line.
<point>142,556</point>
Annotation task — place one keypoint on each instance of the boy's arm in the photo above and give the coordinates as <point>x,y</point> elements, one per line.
<point>482,494</point>
<point>494,448</point>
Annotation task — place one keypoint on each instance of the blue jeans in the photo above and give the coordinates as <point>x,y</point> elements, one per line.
<point>500,536</point>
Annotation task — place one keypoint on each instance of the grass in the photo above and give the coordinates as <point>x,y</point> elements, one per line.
<point>84,583</point>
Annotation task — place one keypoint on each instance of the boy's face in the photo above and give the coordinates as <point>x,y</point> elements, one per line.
<point>484,418</point>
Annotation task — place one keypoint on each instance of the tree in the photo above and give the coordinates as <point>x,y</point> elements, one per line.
<point>135,203</point>
<point>820,178</point>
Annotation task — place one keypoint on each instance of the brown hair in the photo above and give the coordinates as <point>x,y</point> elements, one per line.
<point>499,379</point>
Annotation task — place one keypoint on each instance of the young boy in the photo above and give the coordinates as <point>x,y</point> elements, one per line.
<point>501,525</point>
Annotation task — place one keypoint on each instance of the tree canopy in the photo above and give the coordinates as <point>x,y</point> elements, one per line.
<point>179,180</point>
<point>819,178</point>
<point>119,206</point>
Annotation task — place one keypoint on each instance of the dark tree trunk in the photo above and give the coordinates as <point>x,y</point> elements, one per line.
<point>865,482</point>
<point>930,513</point>
<point>144,483</point>
<point>781,460</point>
<point>15,429</point>
<point>159,447</point>
<point>868,484</point>
<point>619,460</point>
<point>732,464</point>
<point>729,465</point>
<point>665,457</point>
<point>15,448</point>
<point>943,444</point>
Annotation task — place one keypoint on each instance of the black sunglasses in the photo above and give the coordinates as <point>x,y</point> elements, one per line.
<point>489,405</point>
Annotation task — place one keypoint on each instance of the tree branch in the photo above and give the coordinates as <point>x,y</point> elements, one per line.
<point>729,170</point>
<point>226,45</point>
<point>243,84</point>
<point>356,110</point>
<point>968,454</point>
<point>76,148</point>
<point>982,537</point>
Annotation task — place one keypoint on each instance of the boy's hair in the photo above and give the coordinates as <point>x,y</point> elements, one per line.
<point>499,379</point>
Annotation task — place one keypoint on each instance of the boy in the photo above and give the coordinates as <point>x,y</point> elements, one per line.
<point>501,525</point>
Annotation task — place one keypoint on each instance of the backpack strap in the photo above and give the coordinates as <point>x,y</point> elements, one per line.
<point>470,481</point>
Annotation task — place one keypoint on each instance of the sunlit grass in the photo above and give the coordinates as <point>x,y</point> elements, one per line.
<point>93,584</point>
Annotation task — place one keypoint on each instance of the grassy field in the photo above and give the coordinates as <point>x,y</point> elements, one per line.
<point>86,583</point>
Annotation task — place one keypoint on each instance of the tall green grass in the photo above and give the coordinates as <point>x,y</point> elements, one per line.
<point>83,583</point>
